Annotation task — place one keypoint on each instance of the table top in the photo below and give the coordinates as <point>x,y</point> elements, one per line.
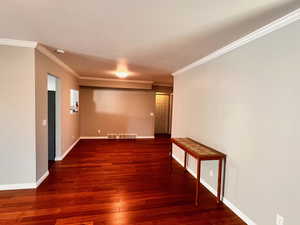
<point>197,149</point>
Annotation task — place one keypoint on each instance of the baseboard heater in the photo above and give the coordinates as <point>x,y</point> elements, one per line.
<point>121,136</point>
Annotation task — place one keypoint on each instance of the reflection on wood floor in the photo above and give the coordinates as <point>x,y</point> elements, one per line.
<point>115,182</point>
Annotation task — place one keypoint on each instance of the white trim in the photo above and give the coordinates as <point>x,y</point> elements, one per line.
<point>58,120</point>
<point>230,205</point>
<point>105,137</point>
<point>163,84</point>
<point>208,187</point>
<point>93,137</point>
<point>238,212</point>
<point>7,187</point>
<point>35,185</point>
<point>60,158</point>
<point>192,172</point>
<point>275,25</point>
<point>177,159</point>
<point>18,43</point>
<point>116,80</point>
<point>55,59</point>
<point>42,179</point>
<point>145,137</point>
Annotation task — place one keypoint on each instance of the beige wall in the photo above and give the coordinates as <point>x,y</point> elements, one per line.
<point>246,104</point>
<point>116,111</point>
<point>17,116</point>
<point>69,122</point>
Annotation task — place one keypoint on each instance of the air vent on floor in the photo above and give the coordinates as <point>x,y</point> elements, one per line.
<point>127,136</point>
<point>121,136</point>
<point>112,136</point>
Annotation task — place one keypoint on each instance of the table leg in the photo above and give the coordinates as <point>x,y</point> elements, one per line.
<point>223,178</point>
<point>219,180</point>
<point>198,182</point>
<point>170,160</point>
<point>185,160</point>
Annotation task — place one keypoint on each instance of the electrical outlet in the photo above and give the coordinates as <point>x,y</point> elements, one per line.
<point>279,220</point>
<point>99,131</point>
<point>211,173</point>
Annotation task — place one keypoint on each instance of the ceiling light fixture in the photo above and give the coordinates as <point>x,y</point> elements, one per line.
<point>122,74</point>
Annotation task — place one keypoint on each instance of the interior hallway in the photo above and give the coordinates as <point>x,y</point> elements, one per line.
<point>115,182</point>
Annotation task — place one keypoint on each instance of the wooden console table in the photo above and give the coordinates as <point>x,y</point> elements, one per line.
<point>200,152</point>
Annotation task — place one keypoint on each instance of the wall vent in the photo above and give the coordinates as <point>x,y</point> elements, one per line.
<point>127,136</point>
<point>112,136</point>
<point>121,136</point>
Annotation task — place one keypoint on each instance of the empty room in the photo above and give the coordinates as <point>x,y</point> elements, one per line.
<point>149,112</point>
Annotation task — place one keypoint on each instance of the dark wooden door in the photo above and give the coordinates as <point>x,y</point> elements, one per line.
<point>162,106</point>
<point>51,125</point>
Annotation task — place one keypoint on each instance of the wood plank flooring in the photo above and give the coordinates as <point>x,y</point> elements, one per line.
<point>111,182</point>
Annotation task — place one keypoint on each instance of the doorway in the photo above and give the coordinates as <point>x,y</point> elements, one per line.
<point>52,119</point>
<point>163,114</point>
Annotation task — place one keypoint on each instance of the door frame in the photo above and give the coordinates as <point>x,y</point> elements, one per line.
<point>57,116</point>
<point>170,105</point>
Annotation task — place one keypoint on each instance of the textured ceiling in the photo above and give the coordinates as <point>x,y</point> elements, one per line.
<point>154,37</point>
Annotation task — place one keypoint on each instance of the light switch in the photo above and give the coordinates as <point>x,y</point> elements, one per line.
<point>279,220</point>
<point>151,114</point>
<point>44,123</point>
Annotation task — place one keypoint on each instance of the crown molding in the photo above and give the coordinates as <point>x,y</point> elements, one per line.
<point>275,25</point>
<point>163,84</point>
<point>55,59</point>
<point>116,80</point>
<point>18,43</point>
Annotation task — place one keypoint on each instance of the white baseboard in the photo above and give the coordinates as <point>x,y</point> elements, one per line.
<point>191,172</point>
<point>59,158</point>
<point>179,161</point>
<point>105,137</point>
<point>42,179</point>
<point>33,185</point>
<point>145,137</point>
<point>230,205</point>
<point>93,137</point>
<point>238,212</point>
<point>7,187</point>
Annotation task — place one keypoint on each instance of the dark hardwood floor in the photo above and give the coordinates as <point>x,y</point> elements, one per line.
<point>115,182</point>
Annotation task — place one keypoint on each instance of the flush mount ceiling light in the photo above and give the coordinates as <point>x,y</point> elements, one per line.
<point>122,68</point>
<point>121,74</point>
